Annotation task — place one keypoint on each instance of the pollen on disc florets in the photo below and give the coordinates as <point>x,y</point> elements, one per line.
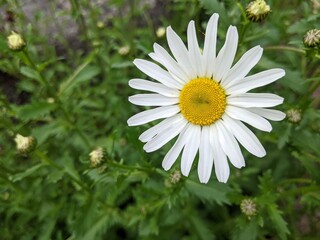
<point>202,101</point>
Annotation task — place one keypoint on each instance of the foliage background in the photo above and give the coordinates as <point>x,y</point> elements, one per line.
<point>71,95</point>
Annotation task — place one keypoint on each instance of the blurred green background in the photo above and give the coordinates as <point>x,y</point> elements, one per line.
<point>68,89</point>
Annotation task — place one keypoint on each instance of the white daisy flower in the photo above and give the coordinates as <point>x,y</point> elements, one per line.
<point>203,100</point>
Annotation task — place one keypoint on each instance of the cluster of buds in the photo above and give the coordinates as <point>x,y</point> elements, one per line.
<point>97,157</point>
<point>15,42</point>
<point>248,207</point>
<point>312,38</point>
<point>25,145</point>
<point>257,11</point>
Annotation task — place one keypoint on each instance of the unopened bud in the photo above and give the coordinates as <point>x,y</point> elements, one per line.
<point>248,207</point>
<point>15,42</point>
<point>294,115</point>
<point>257,11</point>
<point>25,145</point>
<point>97,157</point>
<point>161,31</point>
<point>124,50</point>
<point>312,38</point>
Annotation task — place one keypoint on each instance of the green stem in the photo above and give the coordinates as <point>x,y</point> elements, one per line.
<point>286,48</point>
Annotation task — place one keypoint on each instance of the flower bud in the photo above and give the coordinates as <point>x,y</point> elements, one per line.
<point>15,42</point>
<point>312,38</point>
<point>25,145</point>
<point>294,115</point>
<point>97,157</point>
<point>161,31</point>
<point>124,50</point>
<point>248,207</point>
<point>257,11</point>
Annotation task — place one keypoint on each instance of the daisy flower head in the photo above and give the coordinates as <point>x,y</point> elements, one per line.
<point>203,100</point>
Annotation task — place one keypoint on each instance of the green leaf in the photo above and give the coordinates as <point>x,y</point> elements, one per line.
<point>26,173</point>
<point>82,74</point>
<point>213,192</point>
<point>213,6</point>
<point>30,73</point>
<point>278,222</point>
<point>34,110</point>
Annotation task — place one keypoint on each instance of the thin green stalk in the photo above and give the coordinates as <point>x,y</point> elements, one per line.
<point>286,48</point>
<point>76,8</point>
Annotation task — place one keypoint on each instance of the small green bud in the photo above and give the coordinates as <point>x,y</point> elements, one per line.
<point>248,207</point>
<point>312,38</point>
<point>25,145</point>
<point>257,11</point>
<point>15,42</point>
<point>97,157</point>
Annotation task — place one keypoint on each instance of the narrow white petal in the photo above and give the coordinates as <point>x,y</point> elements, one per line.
<point>194,50</point>
<point>210,42</point>
<point>157,73</point>
<point>169,63</point>
<point>254,81</point>
<point>152,100</point>
<point>190,150</point>
<point>220,158</point>
<point>255,100</point>
<point>243,66</point>
<point>141,84</point>
<point>226,55</point>
<point>174,152</point>
<point>147,135</point>
<point>251,118</point>
<point>271,114</point>
<point>180,52</point>
<point>244,135</point>
<point>230,145</point>
<point>205,156</point>
<point>165,136</point>
<point>153,114</point>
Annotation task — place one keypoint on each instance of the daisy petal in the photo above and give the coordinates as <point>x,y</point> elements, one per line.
<point>194,50</point>
<point>244,135</point>
<point>190,150</point>
<point>152,100</point>
<point>230,145</point>
<point>226,55</point>
<point>205,163</point>
<point>157,73</point>
<point>255,100</point>
<point>255,81</point>
<point>180,52</point>
<point>220,158</point>
<point>243,66</point>
<point>169,63</point>
<point>210,42</point>
<point>142,84</point>
<point>153,114</point>
<point>251,118</point>
<point>274,115</point>
<point>147,135</point>
<point>165,136</point>
<point>174,152</point>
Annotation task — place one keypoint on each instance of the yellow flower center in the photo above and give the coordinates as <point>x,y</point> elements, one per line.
<point>202,101</point>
